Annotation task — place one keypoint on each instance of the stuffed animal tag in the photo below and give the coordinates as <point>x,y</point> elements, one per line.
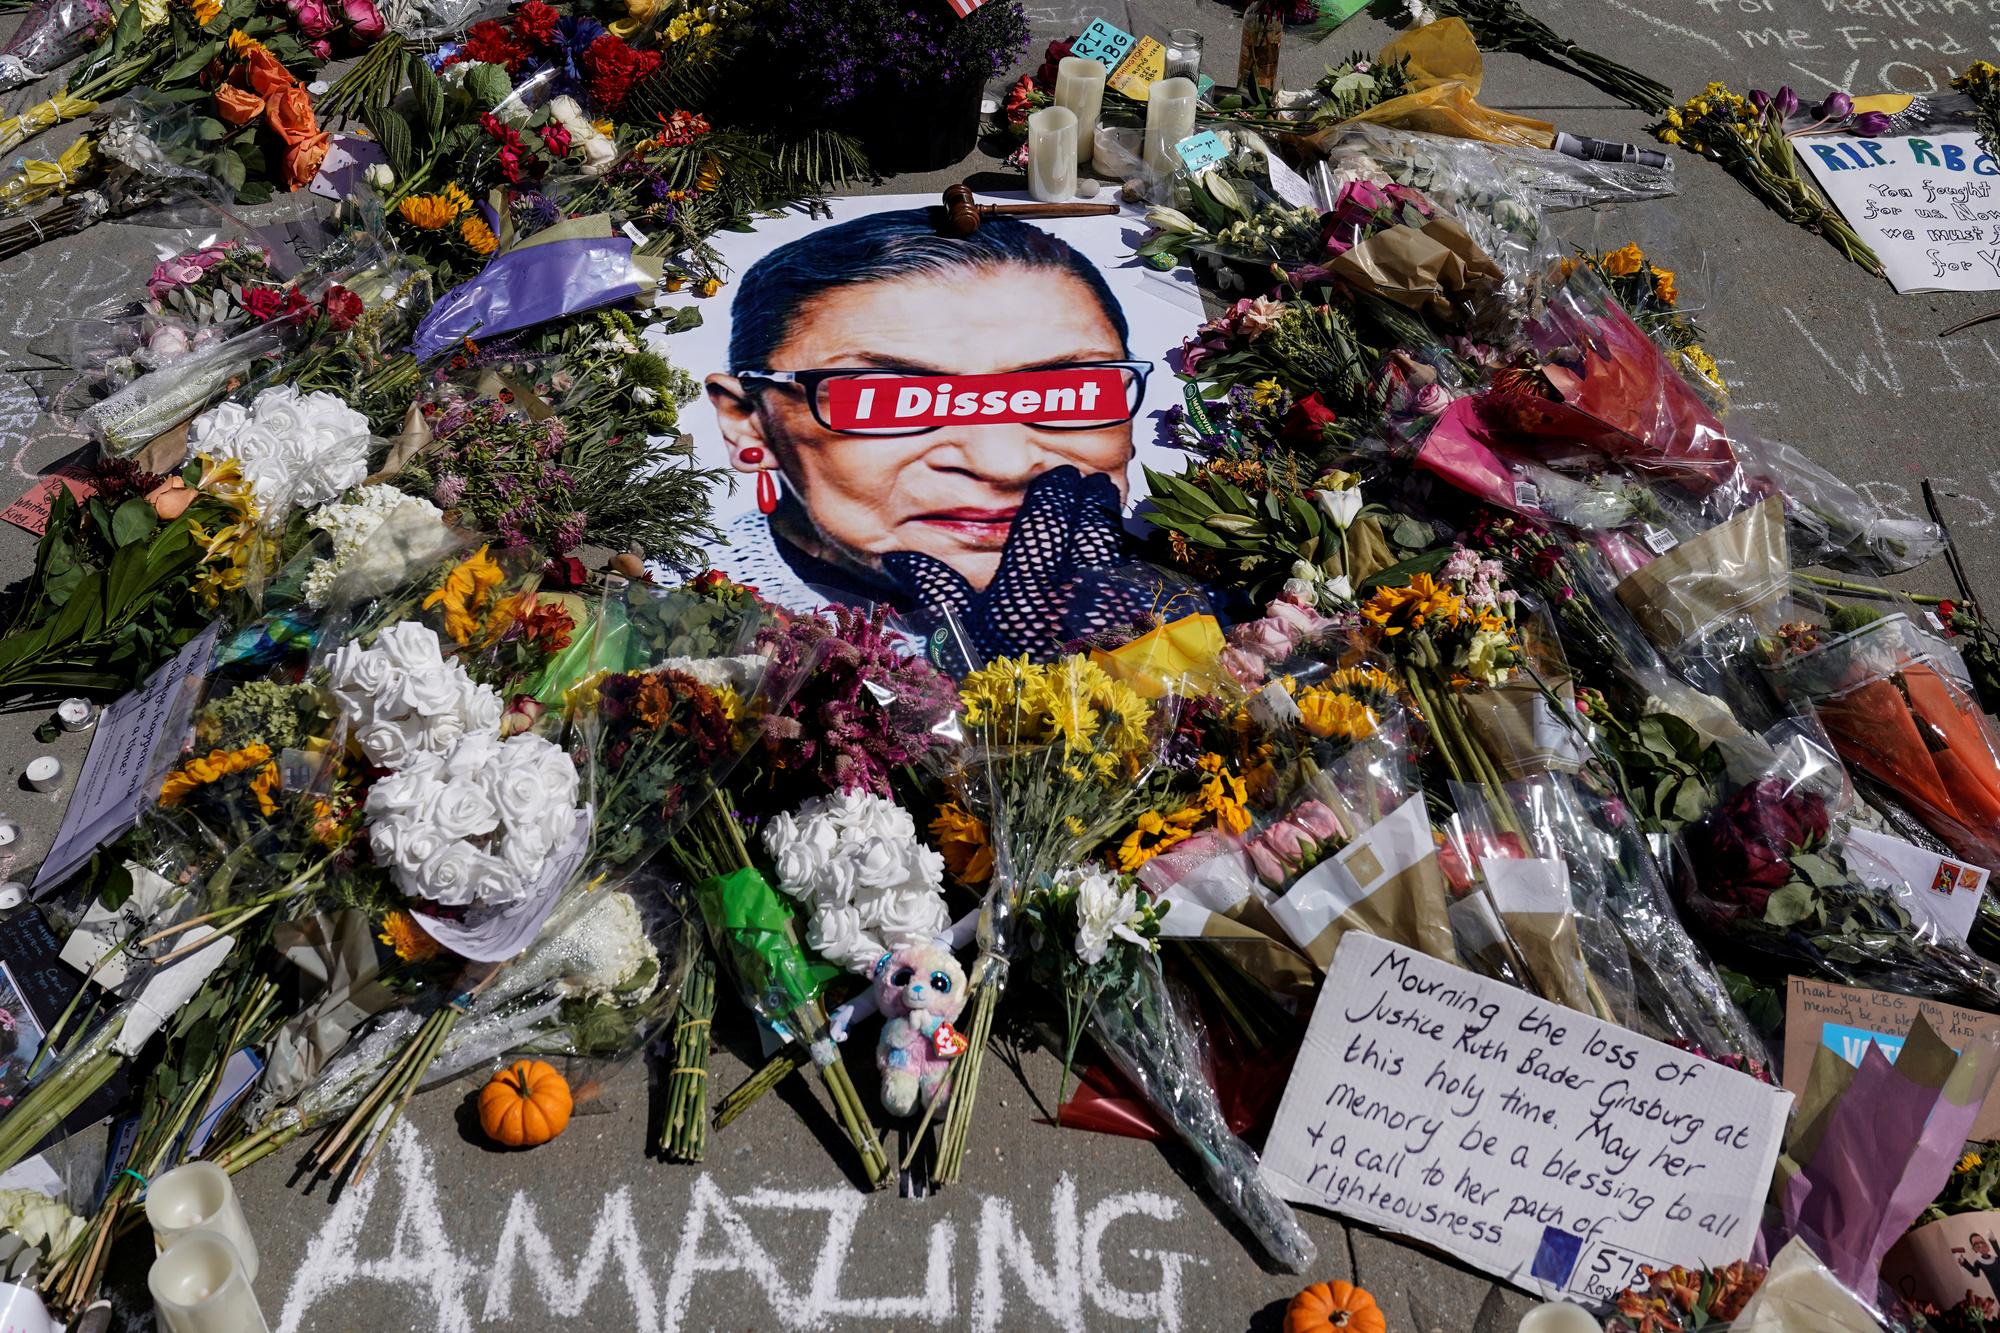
<point>947,1043</point>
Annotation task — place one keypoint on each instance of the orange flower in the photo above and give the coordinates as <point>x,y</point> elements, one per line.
<point>212,767</point>
<point>1413,605</point>
<point>961,839</point>
<point>407,939</point>
<point>237,106</point>
<point>464,592</point>
<point>654,705</point>
<point>267,781</point>
<point>475,233</point>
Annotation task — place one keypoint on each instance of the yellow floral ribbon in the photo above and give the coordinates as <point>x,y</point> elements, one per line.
<point>38,179</point>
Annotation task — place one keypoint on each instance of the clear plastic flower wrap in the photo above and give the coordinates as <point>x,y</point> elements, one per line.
<point>1899,706</point>
<point>1829,522</point>
<point>54,32</point>
<point>1766,874</point>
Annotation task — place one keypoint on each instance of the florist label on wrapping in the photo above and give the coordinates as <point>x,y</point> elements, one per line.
<point>1546,1147</point>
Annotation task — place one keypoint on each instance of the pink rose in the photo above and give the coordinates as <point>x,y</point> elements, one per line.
<point>1279,851</point>
<point>1300,622</point>
<point>321,48</point>
<point>363,18</point>
<point>1245,668</point>
<point>1318,819</point>
<point>312,16</point>
<point>1267,638</point>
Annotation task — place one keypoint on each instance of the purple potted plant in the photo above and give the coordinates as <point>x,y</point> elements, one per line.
<point>903,76</point>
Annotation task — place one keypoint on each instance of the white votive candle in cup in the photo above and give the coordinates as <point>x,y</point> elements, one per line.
<point>1080,91</point>
<point>75,714</point>
<point>199,1286</point>
<point>1560,1317</point>
<point>1052,154</point>
<point>1169,119</point>
<point>199,1197</point>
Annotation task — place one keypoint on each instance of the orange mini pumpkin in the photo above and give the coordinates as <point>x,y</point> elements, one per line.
<point>524,1104</point>
<point>1334,1305</point>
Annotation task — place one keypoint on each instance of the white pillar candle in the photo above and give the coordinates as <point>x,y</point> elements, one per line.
<point>199,1197</point>
<point>1080,90</point>
<point>1169,119</point>
<point>1052,155</point>
<point>199,1286</point>
<point>1560,1317</point>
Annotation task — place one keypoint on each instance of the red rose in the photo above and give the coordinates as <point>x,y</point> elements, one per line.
<point>565,571</point>
<point>342,307</point>
<point>1045,77</point>
<point>1309,418</point>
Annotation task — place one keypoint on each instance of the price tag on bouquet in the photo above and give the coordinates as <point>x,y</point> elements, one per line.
<point>1549,1148</point>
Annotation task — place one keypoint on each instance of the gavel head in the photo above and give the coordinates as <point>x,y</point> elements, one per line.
<point>961,212</point>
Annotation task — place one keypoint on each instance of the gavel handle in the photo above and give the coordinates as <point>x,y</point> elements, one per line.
<point>1047,210</point>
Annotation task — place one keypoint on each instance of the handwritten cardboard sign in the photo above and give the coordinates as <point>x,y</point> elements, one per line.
<point>1103,42</point>
<point>31,511</point>
<point>1846,1018</point>
<point>118,776</point>
<point>1926,204</point>
<point>1551,1149</point>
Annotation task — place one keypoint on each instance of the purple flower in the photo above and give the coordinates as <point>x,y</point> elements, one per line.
<point>1786,102</point>
<point>1871,124</point>
<point>1837,106</point>
<point>450,489</point>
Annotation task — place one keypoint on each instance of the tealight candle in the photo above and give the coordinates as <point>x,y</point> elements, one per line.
<point>199,1286</point>
<point>75,714</point>
<point>1080,91</point>
<point>199,1197</point>
<point>12,894</point>
<point>43,772</point>
<point>1052,154</point>
<point>1169,119</point>
<point>10,832</point>
<point>1560,1317</point>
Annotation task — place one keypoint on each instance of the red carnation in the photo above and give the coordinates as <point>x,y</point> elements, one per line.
<point>611,67</point>
<point>486,41</point>
<point>535,23</point>
<point>556,139</point>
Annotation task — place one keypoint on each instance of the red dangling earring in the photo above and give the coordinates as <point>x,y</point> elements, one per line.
<point>767,492</point>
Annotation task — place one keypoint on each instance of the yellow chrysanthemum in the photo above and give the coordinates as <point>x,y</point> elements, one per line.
<point>475,233</point>
<point>464,594</point>
<point>1663,286</point>
<point>1330,714</point>
<point>406,939</point>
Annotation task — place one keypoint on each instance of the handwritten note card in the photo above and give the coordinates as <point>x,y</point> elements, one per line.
<point>1845,1019</point>
<point>117,778</point>
<point>31,511</point>
<point>1546,1147</point>
<point>1925,203</point>
<point>1103,42</point>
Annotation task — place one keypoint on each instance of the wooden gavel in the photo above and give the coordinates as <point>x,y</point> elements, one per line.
<point>962,213</point>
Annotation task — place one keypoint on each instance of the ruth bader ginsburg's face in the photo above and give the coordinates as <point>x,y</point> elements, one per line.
<point>952,492</point>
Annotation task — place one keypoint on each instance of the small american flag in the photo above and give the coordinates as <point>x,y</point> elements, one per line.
<point>964,8</point>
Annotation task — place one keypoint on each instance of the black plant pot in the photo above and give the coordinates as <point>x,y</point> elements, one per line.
<point>922,127</point>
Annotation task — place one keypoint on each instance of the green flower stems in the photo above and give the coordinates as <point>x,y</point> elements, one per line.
<point>684,1131</point>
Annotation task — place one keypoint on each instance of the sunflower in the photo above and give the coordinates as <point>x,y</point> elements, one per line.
<point>212,767</point>
<point>476,234</point>
<point>961,840</point>
<point>433,212</point>
<point>464,592</point>
<point>1223,795</point>
<point>1413,605</point>
<point>1363,681</point>
<point>1331,713</point>
<point>1625,260</point>
<point>1153,834</point>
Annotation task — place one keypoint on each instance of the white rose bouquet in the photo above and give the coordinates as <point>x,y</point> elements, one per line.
<point>401,697</point>
<point>295,449</point>
<point>855,860</point>
<point>378,535</point>
<point>476,824</point>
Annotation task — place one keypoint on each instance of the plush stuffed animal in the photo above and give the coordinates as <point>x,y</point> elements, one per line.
<point>921,989</point>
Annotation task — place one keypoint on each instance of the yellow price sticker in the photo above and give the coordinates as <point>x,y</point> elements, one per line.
<point>1138,72</point>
